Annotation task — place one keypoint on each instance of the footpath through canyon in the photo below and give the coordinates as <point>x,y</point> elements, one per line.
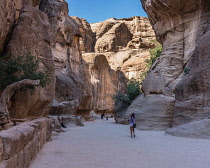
<point>104,144</point>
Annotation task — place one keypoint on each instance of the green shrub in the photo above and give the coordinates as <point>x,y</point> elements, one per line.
<point>125,99</point>
<point>19,68</point>
<point>154,54</point>
<point>133,89</point>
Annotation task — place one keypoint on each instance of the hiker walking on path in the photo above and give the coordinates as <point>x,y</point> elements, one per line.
<point>102,116</point>
<point>107,117</point>
<point>132,124</point>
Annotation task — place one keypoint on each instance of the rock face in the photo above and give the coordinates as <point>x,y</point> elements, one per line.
<point>121,48</point>
<point>44,29</point>
<point>9,14</point>
<point>196,129</point>
<point>87,40</point>
<point>181,73</point>
<point>73,87</point>
<point>34,25</point>
<point>113,51</point>
<point>105,83</point>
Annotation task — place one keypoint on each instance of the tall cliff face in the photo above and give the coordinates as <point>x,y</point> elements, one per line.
<point>122,45</point>
<point>125,43</point>
<point>106,82</point>
<point>21,21</point>
<point>45,29</point>
<point>73,87</point>
<point>178,78</point>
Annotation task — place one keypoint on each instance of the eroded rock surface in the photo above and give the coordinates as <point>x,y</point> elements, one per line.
<point>196,129</point>
<point>73,87</point>
<point>121,49</point>
<point>182,27</point>
<point>105,83</point>
<point>34,25</point>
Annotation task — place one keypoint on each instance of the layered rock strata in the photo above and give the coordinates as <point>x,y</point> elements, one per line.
<point>180,76</point>
<point>20,144</point>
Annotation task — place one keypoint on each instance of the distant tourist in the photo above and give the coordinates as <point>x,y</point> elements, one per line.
<point>132,124</point>
<point>107,117</point>
<point>102,116</point>
<point>61,122</point>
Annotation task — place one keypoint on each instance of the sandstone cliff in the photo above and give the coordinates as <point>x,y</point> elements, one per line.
<point>122,45</point>
<point>44,29</point>
<point>179,79</point>
<point>26,29</point>
<point>73,87</point>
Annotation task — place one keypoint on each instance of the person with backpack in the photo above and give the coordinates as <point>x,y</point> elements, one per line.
<point>132,124</point>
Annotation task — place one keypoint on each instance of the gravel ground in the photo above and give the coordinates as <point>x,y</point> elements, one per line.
<point>102,144</point>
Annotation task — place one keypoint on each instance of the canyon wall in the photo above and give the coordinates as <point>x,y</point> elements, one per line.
<point>44,29</point>
<point>25,29</point>
<point>120,50</point>
<point>176,88</point>
<point>73,87</point>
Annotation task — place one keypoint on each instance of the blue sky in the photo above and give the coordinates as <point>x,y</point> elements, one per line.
<point>100,10</point>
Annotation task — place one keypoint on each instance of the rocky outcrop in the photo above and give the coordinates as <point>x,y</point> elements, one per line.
<point>44,29</point>
<point>125,43</point>
<point>122,45</point>
<point>118,36</point>
<point>87,40</point>
<point>9,14</point>
<point>73,87</point>
<point>196,129</point>
<point>34,25</point>
<point>181,73</point>
<point>20,144</point>
<point>105,81</point>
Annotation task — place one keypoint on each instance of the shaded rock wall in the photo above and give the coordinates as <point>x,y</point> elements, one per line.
<point>73,87</point>
<point>21,21</point>
<point>44,29</point>
<point>182,27</point>
<point>34,25</point>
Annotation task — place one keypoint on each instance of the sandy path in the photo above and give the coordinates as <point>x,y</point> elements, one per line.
<point>108,145</point>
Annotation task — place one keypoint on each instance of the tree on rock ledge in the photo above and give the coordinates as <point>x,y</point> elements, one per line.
<point>18,73</point>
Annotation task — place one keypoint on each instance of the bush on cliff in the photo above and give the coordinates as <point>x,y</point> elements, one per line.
<point>125,99</point>
<point>22,67</point>
<point>154,54</point>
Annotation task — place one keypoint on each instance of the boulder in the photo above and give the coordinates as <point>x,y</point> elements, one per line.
<point>196,129</point>
<point>153,112</point>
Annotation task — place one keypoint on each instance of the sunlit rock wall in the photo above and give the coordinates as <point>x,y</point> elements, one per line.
<point>125,43</point>
<point>73,87</point>
<point>106,82</point>
<point>122,45</point>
